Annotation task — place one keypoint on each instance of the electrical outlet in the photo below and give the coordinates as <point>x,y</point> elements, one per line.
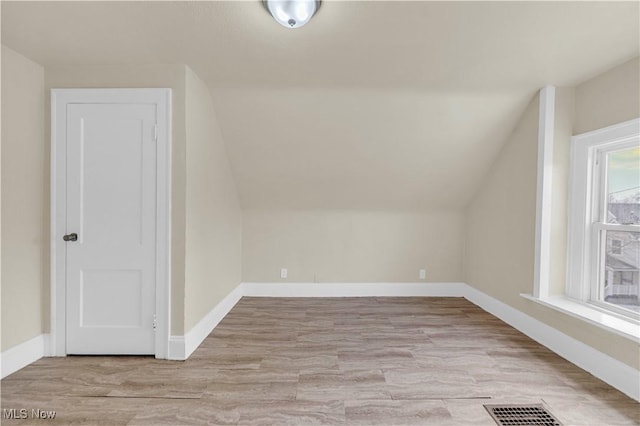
<point>283,273</point>
<point>423,274</point>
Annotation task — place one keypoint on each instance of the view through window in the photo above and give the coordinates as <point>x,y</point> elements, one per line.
<point>619,275</point>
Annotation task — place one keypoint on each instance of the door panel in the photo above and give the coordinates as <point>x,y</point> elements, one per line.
<point>111,205</point>
<point>104,292</point>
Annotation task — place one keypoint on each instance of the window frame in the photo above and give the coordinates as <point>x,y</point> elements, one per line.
<point>587,213</point>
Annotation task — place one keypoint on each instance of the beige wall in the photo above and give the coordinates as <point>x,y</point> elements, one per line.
<point>209,262</point>
<point>170,76</point>
<point>351,246</point>
<point>609,98</point>
<point>500,230</point>
<point>24,202</point>
<point>496,233</point>
<point>501,219</point>
<point>213,216</point>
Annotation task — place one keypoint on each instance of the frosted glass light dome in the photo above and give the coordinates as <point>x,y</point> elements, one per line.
<point>292,13</point>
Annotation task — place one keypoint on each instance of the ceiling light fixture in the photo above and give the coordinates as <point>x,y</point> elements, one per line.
<point>292,13</point>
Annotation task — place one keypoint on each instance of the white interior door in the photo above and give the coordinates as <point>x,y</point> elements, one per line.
<point>111,206</point>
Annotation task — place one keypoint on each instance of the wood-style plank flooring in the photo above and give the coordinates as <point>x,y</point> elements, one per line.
<point>353,361</point>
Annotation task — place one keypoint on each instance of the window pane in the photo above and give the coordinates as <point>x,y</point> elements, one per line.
<point>623,186</point>
<point>622,269</point>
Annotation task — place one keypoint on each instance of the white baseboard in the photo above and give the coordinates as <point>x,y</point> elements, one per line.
<point>181,347</point>
<point>617,374</point>
<point>177,349</point>
<point>419,289</point>
<point>21,355</point>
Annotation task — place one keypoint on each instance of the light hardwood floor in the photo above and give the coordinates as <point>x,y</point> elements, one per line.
<point>354,361</point>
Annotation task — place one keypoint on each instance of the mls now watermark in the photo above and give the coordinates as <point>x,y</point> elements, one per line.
<point>27,413</point>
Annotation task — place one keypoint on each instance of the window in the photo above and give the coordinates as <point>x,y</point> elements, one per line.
<point>604,239</point>
<point>616,226</point>
<point>616,246</point>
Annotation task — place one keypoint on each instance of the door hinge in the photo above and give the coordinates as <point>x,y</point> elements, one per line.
<point>155,132</point>
<point>155,322</point>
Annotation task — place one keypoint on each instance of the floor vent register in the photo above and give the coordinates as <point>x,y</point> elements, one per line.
<point>522,415</point>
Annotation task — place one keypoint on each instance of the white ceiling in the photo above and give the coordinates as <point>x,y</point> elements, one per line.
<point>372,105</point>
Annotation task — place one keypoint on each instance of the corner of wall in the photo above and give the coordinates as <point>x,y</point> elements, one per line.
<point>501,219</point>
<point>212,256</point>
<point>608,98</point>
<point>25,197</point>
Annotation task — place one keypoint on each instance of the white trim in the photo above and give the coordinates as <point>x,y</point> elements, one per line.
<point>181,347</point>
<point>59,100</point>
<point>581,212</point>
<point>615,373</point>
<point>599,317</point>
<point>46,350</point>
<point>177,348</point>
<point>354,289</point>
<point>613,133</point>
<point>163,228</point>
<point>205,326</point>
<point>19,356</point>
<point>618,374</point>
<point>544,191</point>
<point>58,200</point>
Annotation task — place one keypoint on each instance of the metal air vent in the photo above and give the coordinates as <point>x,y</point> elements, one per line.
<point>522,415</point>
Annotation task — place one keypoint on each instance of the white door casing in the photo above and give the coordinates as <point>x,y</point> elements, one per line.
<point>110,186</point>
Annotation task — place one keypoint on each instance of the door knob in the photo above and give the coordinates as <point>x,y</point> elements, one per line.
<point>71,237</point>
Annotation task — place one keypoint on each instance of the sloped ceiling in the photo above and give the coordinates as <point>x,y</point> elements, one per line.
<point>372,105</point>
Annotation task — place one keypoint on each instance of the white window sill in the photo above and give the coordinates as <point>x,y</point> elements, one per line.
<point>624,327</point>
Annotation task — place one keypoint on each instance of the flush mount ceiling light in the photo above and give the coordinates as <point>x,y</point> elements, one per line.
<point>292,13</point>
